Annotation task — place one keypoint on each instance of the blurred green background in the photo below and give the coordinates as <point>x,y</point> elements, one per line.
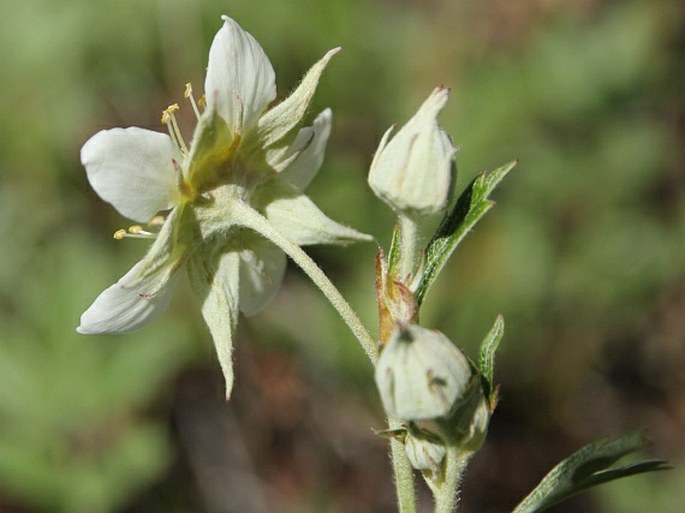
<point>583,254</point>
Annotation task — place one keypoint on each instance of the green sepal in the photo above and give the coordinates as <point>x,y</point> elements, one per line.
<point>468,210</point>
<point>398,434</point>
<point>394,252</point>
<point>487,359</point>
<point>590,466</point>
<point>467,425</point>
<point>278,127</point>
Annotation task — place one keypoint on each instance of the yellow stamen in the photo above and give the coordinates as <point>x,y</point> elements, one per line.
<point>202,102</point>
<point>134,232</point>
<point>169,119</point>
<point>157,221</point>
<point>188,93</point>
<point>138,231</point>
<point>169,112</point>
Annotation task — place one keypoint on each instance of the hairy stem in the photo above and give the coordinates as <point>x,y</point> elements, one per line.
<point>404,474</point>
<point>447,493</point>
<point>409,252</point>
<point>250,218</point>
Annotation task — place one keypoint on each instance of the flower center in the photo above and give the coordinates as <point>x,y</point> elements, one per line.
<point>169,119</point>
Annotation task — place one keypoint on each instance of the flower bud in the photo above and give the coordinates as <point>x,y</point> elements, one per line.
<point>420,374</point>
<point>424,452</point>
<point>468,425</point>
<point>413,173</point>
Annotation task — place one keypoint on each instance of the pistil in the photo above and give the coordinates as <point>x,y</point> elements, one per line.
<point>183,185</point>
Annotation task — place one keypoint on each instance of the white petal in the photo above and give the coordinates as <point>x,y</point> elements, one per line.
<point>262,266</point>
<point>144,292</point>
<point>240,80</point>
<point>215,279</point>
<point>298,218</point>
<point>132,169</point>
<point>133,301</point>
<point>301,172</point>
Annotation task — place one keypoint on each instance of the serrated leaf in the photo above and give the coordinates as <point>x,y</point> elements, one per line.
<point>457,223</point>
<point>590,466</point>
<point>487,356</point>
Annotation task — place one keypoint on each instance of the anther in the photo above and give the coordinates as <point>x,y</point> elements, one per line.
<point>157,221</point>
<point>168,113</point>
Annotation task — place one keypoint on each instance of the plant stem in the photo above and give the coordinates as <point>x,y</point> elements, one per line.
<point>447,493</point>
<point>403,472</point>
<point>250,218</point>
<point>409,233</point>
<point>402,469</point>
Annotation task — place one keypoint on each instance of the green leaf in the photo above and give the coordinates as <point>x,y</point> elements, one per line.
<point>590,466</point>
<point>487,356</point>
<point>468,210</point>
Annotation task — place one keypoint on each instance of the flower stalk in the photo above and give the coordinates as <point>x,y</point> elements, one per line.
<point>446,494</point>
<point>250,218</point>
<point>403,473</point>
<point>410,254</point>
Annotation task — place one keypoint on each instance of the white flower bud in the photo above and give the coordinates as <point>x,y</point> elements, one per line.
<point>413,172</point>
<point>469,423</point>
<point>425,454</point>
<point>420,374</point>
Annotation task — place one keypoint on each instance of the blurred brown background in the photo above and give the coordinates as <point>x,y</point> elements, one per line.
<point>583,255</point>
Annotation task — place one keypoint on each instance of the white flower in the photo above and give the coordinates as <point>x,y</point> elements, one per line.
<point>246,162</point>
<point>413,173</point>
<point>421,374</point>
